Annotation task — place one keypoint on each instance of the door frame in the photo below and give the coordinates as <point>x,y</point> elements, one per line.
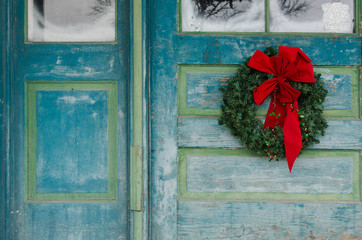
<point>138,92</point>
<point>5,121</point>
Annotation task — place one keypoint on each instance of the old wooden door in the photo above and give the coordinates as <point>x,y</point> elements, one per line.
<point>203,184</point>
<point>70,120</point>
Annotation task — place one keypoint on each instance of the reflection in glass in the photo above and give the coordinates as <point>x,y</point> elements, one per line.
<point>71,20</point>
<point>311,15</point>
<point>223,15</point>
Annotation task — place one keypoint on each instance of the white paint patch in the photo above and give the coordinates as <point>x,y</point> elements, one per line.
<point>73,100</point>
<point>59,60</point>
<point>94,115</point>
<point>71,72</point>
<point>121,114</point>
<point>111,63</point>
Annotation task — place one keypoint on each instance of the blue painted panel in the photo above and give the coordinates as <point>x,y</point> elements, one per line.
<point>256,174</point>
<point>339,88</point>
<point>198,132</point>
<point>192,49</point>
<point>72,141</point>
<point>73,221</point>
<point>87,62</point>
<point>241,220</point>
<point>203,91</point>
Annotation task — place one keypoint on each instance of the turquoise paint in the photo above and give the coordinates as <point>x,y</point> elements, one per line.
<point>258,174</point>
<point>206,132</point>
<point>235,49</point>
<point>60,62</point>
<point>163,125</point>
<point>75,121</point>
<point>339,88</point>
<point>203,91</point>
<point>3,118</point>
<point>242,220</point>
<point>225,218</point>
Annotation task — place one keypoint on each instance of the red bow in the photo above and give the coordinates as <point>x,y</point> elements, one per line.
<point>291,64</point>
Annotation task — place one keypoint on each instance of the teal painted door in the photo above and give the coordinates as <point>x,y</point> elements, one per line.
<point>203,184</point>
<point>70,120</point>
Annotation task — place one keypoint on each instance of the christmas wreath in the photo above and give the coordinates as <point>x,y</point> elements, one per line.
<point>294,118</point>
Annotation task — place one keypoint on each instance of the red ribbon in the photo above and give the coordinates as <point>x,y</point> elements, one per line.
<point>291,64</point>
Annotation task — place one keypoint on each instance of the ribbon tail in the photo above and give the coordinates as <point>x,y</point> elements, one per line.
<point>276,114</point>
<point>292,135</point>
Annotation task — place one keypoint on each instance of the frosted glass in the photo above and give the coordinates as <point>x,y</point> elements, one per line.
<point>71,20</point>
<point>223,16</point>
<point>309,16</point>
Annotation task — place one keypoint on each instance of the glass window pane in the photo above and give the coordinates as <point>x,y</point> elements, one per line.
<point>223,16</point>
<point>71,20</point>
<point>312,16</point>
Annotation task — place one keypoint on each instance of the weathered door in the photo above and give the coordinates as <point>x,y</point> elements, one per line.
<point>70,120</point>
<point>203,184</point>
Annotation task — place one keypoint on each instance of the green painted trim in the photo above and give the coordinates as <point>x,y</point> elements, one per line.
<point>354,72</point>
<point>179,16</point>
<point>136,165</point>
<point>267,32</point>
<point>31,141</point>
<point>360,175</point>
<point>267,16</point>
<point>358,16</point>
<point>183,110</point>
<point>183,194</point>
<point>137,225</point>
<point>182,87</point>
<point>136,178</point>
<point>26,20</point>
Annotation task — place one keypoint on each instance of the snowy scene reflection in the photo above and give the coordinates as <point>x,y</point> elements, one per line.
<point>311,16</point>
<point>223,15</point>
<point>71,21</point>
<point>336,16</point>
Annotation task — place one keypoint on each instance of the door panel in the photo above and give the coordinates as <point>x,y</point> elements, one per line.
<point>204,185</point>
<point>71,136</point>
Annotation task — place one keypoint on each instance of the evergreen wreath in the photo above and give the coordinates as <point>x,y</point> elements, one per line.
<point>239,111</point>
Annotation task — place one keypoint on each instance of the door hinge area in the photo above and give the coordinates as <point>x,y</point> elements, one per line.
<point>136,178</point>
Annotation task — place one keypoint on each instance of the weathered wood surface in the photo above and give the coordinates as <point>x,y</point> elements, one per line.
<point>242,220</point>
<point>203,91</point>
<point>257,174</point>
<point>224,220</point>
<point>235,49</point>
<point>4,117</point>
<point>206,132</point>
<point>72,142</point>
<point>163,123</point>
<point>71,221</point>
<point>82,62</point>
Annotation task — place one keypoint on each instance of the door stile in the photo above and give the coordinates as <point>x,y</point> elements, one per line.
<point>139,121</point>
<point>163,115</point>
<point>6,74</point>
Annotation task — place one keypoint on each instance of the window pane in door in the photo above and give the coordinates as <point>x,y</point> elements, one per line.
<point>335,16</point>
<point>71,20</point>
<point>223,16</point>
